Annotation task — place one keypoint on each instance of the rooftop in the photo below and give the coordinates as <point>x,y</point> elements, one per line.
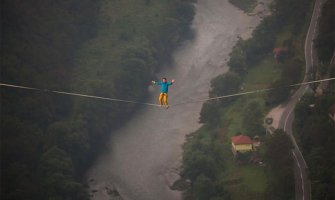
<point>241,139</point>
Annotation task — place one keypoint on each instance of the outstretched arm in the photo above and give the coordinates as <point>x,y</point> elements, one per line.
<point>156,82</point>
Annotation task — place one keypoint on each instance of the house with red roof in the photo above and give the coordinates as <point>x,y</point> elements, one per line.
<point>241,144</point>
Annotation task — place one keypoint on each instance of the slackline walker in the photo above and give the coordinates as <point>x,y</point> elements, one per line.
<point>158,105</point>
<point>164,91</point>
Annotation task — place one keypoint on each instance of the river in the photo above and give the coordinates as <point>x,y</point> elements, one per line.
<point>142,158</point>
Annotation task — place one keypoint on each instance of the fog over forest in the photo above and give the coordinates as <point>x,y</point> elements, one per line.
<point>80,111</point>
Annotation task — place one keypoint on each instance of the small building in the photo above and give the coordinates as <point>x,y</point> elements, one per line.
<point>278,51</point>
<point>241,144</point>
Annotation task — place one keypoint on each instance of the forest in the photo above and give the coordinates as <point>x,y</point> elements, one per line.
<point>100,47</point>
<point>325,42</point>
<point>315,131</point>
<point>313,126</point>
<point>48,141</point>
<point>207,159</point>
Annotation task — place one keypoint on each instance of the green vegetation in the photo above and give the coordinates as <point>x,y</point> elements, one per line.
<point>203,162</point>
<point>281,170</point>
<point>107,48</point>
<point>245,5</point>
<point>325,41</point>
<point>252,66</point>
<point>133,40</point>
<point>39,39</point>
<point>313,127</point>
<point>315,131</point>
<point>243,181</point>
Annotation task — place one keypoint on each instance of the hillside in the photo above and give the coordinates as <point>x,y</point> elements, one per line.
<point>313,125</point>
<point>267,173</point>
<point>108,48</point>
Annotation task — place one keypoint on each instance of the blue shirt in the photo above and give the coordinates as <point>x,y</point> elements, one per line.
<point>164,86</point>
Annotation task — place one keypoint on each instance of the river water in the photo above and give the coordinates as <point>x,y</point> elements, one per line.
<point>142,158</point>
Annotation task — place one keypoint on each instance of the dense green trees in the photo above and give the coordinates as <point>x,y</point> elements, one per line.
<point>203,161</point>
<point>291,74</point>
<point>199,163</point>
<point>221,85</point>
<point>315,130</point>
<point>325,41</point>
<point>205,188</point>
<point>279,157</point>
<point>209,113</point>
<point>48,140</point>
<point>225,84</point>
<point>291,12</point>
<point>56,169</point>
<point>253,119</point>
<point>38,42</point>
<point>313,126</point>
<point>247,53</point>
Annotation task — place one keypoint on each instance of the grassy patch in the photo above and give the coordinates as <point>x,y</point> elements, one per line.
<point>233,115</point>
<point>284,35</point>
<point>245,5</point>
<point>262,75</point>
<point>244,181</point>
<point>254,177</point>
<point>259,77</point>
<point>232,120</point>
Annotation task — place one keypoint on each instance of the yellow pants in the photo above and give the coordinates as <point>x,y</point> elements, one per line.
<point>163,97</point>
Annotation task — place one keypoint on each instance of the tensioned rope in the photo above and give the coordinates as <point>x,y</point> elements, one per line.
<point>77,94</point>
<point>157,105</point>
<point>253,92</point>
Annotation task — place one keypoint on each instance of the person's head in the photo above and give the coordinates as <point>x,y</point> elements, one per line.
<point>164,80</point>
